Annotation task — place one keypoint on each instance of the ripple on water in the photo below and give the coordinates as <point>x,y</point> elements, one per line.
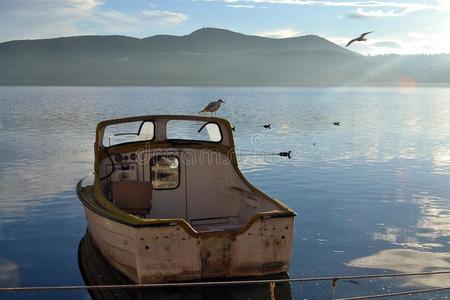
<point>388,163</point>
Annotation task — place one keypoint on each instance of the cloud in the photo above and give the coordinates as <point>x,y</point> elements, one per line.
<point>444,5</point>
<point>136,24</point>
<point>336,3</point>
<point>418,35</point>
<point>388,44</point>
<point>364,9</point>
<point>279,33</point>
<point>109,17</point>
<point>20,19</point>
<point>361,13</point>
<point>431,43</point>
<point>164,16</point>
<point>401,7</point>
<point>240,6</point>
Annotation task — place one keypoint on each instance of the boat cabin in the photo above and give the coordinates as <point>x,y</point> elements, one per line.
<point>176,167</point>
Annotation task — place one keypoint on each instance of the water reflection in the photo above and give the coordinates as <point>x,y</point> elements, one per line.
<point>431,230</point>
<point>434,216</point>
<point>441,159</point>
<point>409,261</point>
<point>397,236</point>
<point>97,271</point>
<point>423,245</point>
<point>9,273</point>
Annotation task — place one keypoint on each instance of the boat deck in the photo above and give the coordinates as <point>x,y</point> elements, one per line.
<point>216,224</point>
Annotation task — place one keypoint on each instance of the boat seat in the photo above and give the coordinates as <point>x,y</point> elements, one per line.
<point>134,197</point>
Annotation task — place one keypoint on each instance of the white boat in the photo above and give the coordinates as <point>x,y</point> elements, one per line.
<point>169,203</point>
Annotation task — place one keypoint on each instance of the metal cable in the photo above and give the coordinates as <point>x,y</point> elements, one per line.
<point>413,292</point>
<point>222,283</point>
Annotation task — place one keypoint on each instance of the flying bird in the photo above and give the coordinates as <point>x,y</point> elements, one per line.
<point>362,38</point>
<point>212,107</point>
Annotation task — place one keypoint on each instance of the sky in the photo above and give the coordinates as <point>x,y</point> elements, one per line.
<point>400,26</point>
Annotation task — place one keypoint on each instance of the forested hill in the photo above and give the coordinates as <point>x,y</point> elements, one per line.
<point>208,56</point>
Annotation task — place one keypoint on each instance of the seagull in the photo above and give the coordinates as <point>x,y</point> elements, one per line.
<point>212,107</point>
<point>361,38</point>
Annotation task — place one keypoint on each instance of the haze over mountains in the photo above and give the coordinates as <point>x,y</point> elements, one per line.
<point>208,56</point>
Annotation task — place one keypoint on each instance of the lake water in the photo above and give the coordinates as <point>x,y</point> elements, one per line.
<point>372,195</point>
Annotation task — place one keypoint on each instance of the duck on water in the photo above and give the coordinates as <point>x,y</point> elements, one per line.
<point>169,203</point>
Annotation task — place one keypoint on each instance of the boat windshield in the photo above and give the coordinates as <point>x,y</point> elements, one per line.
<point>193,131</point>
<point>122,133</point>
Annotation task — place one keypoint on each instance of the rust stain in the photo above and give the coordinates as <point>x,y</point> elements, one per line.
<point>215,255</point>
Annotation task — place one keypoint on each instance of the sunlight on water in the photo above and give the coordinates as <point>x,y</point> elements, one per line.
<point>372,194</point>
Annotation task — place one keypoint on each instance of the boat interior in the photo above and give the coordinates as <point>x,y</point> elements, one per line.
<point>177,167</point>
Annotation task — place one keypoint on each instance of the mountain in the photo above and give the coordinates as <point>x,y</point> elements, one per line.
<point>208,56</point>
<point>214,40</point>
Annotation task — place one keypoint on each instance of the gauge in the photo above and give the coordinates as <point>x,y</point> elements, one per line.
<point>118,157</point>
<point>133,156</point>
<point>123,176</point>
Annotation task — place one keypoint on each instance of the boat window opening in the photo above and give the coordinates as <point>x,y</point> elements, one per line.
<point>146,131</point>
<point>165,172</point>
<point>193,131</point>
<point>122,133</point>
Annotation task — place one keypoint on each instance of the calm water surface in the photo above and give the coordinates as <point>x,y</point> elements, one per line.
<point>372,195</point>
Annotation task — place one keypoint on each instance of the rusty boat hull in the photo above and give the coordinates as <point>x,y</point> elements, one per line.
<point>168,252</point>
<point>96,270</point>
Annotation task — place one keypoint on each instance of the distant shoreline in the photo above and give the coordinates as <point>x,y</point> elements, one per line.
<point>211,57</point>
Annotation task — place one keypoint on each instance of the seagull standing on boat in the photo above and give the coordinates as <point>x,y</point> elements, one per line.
<point>212,107</point>
<point>361,38</point>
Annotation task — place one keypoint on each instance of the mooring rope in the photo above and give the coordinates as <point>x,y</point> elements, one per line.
<point>226,283</point>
